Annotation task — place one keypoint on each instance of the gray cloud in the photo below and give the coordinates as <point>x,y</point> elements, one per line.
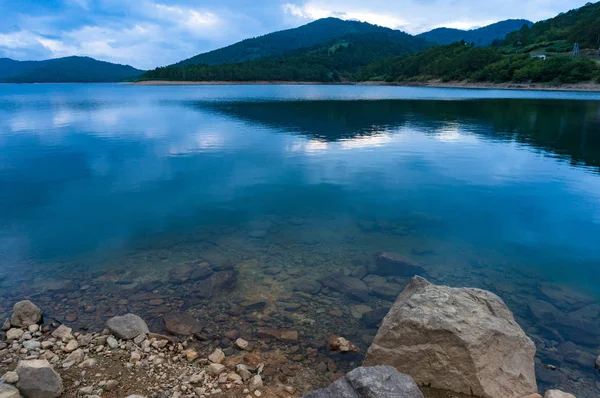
<point>150,33</point>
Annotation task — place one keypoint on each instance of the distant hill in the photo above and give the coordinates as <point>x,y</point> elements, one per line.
<point>335,61</point>
<point>481,37</point>
<point>65,70</point>
<point>558,34</point>
<point>284,42</point>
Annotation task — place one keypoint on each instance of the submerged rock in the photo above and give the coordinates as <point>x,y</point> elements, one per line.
<point>337,343</point>
<point>371,382</point>
<point>38,379</point>
<point>457,339</point>
<point>217,283</point>
<point>127,327</point>
<point>350,286</point>
<point>25,313</point>
<point>182,324</point>
<point>390,263</point>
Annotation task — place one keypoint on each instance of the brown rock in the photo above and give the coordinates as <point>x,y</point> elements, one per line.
<point>340,344</point>
<point>182,324</point>
<point>282,335</point>
<point>456,339</point>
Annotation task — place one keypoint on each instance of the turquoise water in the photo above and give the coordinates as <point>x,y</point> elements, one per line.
<point>106,191</point>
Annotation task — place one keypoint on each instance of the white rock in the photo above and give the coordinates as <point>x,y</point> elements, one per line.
<point>558,394</point>
<point>25,313</point>
<point>88,363</point>
<point>216,369</point>
<point>8,391</point>
<point>86,390</point>
<point>33,328</point>
<point>63,333</point>
<point>14,334</point>
<point>196,378</point>
<point>456,339</point>
<point>241,344</point>
<point>127,327</point>
<point>112,343</point>
<point>37,379</point>
<point>217,356</point>
<point>32,344</point>
<point>75,357</point>
<point>71,346</point>
<point>11,377</point>
<point>255,383</point>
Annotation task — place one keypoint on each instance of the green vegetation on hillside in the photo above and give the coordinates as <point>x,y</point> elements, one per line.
<point>464,62</point>
<point>558,34</point>
<point>481,37</point>
<point>65,70</point>
<point>284,42</point>
<point>335,61</point>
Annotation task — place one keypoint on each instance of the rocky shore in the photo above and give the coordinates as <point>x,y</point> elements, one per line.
<point>435,340</point>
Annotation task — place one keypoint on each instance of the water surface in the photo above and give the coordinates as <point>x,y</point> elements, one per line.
<point>109,193</point>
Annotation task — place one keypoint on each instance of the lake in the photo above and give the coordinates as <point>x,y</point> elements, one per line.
<point>121,198</point>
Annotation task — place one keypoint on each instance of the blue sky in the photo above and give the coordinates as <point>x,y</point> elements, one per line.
<point>151,33</point>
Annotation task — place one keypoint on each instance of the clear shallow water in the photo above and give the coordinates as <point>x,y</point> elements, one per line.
<point>108,191</point>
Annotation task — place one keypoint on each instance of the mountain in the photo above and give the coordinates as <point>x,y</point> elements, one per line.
<point>481,37</point>
<point>284,42</point>
<point>65,70</point>
<point>558,34</point>
<point>335,61</point>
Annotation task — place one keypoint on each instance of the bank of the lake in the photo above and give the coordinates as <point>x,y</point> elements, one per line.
<point>589,87</point>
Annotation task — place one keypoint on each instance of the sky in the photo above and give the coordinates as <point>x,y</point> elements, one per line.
<point>151,33</point>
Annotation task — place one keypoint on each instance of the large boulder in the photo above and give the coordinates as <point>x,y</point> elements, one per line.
<point>558,394</point>
<point>127,327</point>
<point>457,339</point>
<point>25,314</point>
<point>37,379</point>
<point>371,382</point>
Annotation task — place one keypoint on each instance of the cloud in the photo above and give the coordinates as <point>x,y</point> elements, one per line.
<point>151,33</point>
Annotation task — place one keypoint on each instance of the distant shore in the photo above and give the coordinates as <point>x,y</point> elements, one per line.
<point>589,87</point>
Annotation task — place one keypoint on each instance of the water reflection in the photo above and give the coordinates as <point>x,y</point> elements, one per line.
<point>111,199</point>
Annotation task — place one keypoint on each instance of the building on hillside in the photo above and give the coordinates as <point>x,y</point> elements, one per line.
<point>540,56</point>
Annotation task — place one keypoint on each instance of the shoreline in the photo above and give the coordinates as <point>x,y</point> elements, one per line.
<point>577,87</point>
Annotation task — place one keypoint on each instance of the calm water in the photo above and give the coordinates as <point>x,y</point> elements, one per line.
<point>108,191</point>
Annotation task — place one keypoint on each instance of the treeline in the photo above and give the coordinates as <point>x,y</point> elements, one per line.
<point>558,34</point>
<point>457,62</point>
<point>336,61</point>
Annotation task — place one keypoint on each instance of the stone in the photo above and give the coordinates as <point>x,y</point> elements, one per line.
<point>371,382</point>
<point>357,311</point>
<point>340,344</point>
<point>575,329</point>
<point>558,394</point>
<point>127,327</point>
<point>14,334</point>
<point>6,325</point>
<point>255,383</point>
<point>135,357</point>
<point>64,333</point>
<point>33,328</point>
<point>87,390</point>
<point>135,396</point>
<point>390,263</point>
<point>217,356</point>
<point>111,385</point>
<point>8,391</point>
<point>243,371</point>
<point>191,355</point>
<point>241,344</point>
<point>11,377</point>
<point>373,318</point>
<point>71,346</point>
<point>310,287</point>
<point>348,285</point>
<point>25,313</point>
<point>290,336</point>
<point>181,324</point>
<point>437,333</point>
<point>598,363</point>
<point>387,291</point>
<point>75,357</point>
<point>215,369</point>
<point>112,343</point>
<point>37,379</point>
<point>32,344</point>
<point>88,363</point>
<point>218,283</point>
